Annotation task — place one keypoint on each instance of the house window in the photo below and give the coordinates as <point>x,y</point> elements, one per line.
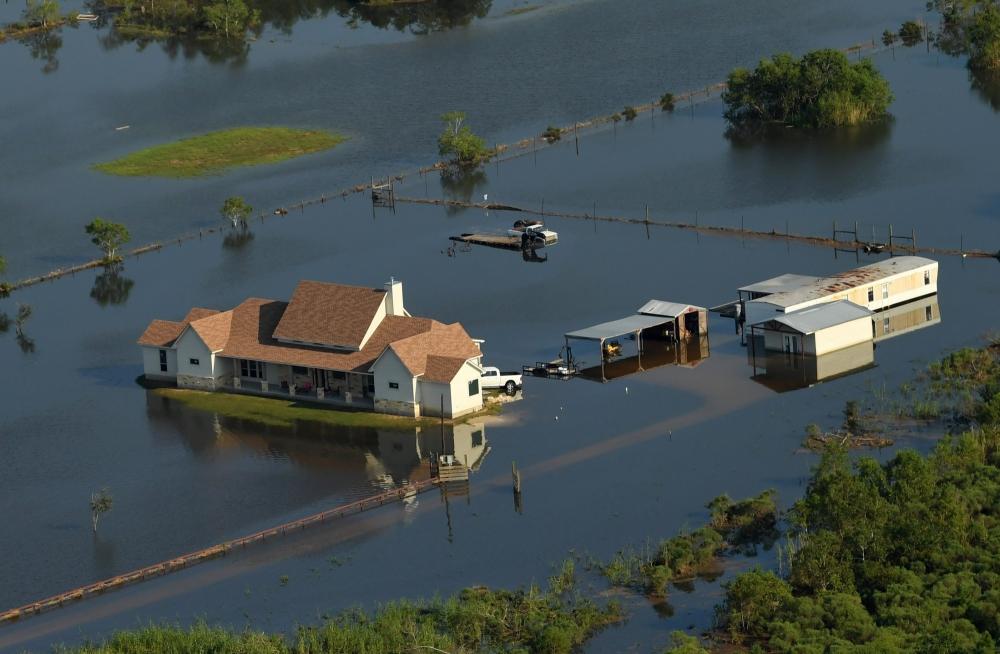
<point>928,314</point>
<point>871,293</point>
<point>885,291</point>
<point>371,384</point>
<point>194,362</point>
<point>927,277</point>
<point>163,360</point>
<point>299,370</point>
<point>477,438</point>
<point>393,385</point>
<point>885,325</point>
<point>474,387</point>
<point>252,369</point>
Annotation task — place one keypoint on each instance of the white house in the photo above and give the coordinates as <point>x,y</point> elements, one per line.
<point>331,343</point>
<point>817,330</point>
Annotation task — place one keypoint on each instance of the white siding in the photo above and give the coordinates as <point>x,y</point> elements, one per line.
<point>461,402</point>
<point>190,346</point>
<point>151,363</point>
<point>840,336</point>
<point>389,369</point>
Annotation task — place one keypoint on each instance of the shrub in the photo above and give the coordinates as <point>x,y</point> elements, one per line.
<point>911,33</point>
<point>457,141</point>
<point>630,113</point>
<point>667,102</point>
<point>888,37</point>
<point>552,134</point>
<point>984,39</point>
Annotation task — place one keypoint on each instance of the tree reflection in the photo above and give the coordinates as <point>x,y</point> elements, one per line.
<point>237,237</point>
<point>461,185</point>
<point>43,45</point>
<point>987,86</point>
<point>111,287</point>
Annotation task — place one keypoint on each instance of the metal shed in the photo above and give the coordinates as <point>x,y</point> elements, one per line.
<point>816,330</point>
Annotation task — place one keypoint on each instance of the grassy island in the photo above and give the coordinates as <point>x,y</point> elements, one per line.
<point>822,89</point>
<point>217,152</point>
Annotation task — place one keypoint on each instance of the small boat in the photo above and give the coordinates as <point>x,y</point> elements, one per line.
<point>86,18</point>
<point>533,233</point>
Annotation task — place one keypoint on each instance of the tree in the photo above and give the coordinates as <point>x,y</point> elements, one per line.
<point>888,38</point>
<point>667,102</point>
<point>5,287</point>
<point>230,18</point>
<point>100,503</point>
<point>984,39</point>
<point>41,12</point>
<point>458,142</point>
<point>236,211</point>
<point>108,236</point>
<point>911,33</point>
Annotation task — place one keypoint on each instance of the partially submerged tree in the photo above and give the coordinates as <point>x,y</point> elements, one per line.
<point>236,211</point>
<point>108,236</point>
<point>667,102</point>
<point>911,32</point>
<point>457,141</point>
<point>822,89</point>
<point>984,40</point>
<point>41,12</point>
<point>100,503</point>
<point>888,38</point>
<point>629,112</point>
<point>5,287</point>
<point>230,18</point>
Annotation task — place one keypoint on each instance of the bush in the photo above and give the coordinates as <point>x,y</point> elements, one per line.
<point>630,113</point>
<point>822,89</point>
<point>552,134</point>
<point>667,102</point>
<point>888,38</point>
<point>465,149</point>
<point>911,33</point>
<point>984,39</point>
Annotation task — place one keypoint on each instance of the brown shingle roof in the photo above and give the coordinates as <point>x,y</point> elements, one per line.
<point>330,314</point>
<point>163,333</point>
<point>433,354</point>
<point>214,329</point>
<point>442,369</point>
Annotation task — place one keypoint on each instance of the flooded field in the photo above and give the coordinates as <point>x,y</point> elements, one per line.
<point>611,464</point>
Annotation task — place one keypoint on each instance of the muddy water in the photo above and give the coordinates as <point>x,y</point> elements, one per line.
<point>385,89</point>
<point>625,461</point>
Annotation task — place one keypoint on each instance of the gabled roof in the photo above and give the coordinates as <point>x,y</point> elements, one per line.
<point>163,333</point>
<point>335,315</point>
<point>666,309</point>
<point>438,354</point>
<point>814,319</point>
<point>213,329</point>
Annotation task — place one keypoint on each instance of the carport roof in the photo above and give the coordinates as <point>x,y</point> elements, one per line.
<point>814,319</point>
<point>621,327</point>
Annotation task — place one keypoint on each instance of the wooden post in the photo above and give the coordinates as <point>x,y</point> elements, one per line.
<point>913,239</point>
<point>516,474</point>
<point>576,138</point>
<point>890,238</point>
<point>835,230</point>
<point>855,232</point>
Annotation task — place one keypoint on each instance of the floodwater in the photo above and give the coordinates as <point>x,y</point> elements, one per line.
<point>512,74</point>
<point>627,461</point>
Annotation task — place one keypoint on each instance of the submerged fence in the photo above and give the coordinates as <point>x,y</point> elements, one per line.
<point>194,558</point>
<point>893,247</point>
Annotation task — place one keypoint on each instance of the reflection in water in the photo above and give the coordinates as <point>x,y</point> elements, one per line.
<point>417,17</point>
<point>987,86</point>
<point>788,371</point>
<point>461,185</point>
<point>829,140</point>
<point>362,458</point>
<point>230,51</point>
<point>111,286</point>
<point>237,238</point>
<point>44,45</point>
<point>654,354</point>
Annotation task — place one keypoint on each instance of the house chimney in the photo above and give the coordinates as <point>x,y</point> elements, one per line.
<point>394,298</point>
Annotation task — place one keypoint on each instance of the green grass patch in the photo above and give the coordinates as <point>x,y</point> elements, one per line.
<point>284,413</point>
<point>217,152</point>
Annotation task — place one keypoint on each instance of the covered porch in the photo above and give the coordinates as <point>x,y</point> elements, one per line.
<point>338,387</point>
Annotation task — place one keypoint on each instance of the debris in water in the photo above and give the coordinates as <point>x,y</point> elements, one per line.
<point>122,127</point>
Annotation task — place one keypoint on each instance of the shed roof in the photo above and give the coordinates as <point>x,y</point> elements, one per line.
<point>620,327</point>
<point>814,319</point>
<point>667,309</point>
<point>822,287</point>
<point>779,284</point>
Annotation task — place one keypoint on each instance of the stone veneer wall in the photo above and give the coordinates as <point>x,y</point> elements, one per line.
<point>396,408</point>
<point>199,383</point>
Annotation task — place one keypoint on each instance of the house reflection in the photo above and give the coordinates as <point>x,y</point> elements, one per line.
<point>787,371</point>
<point>362,458</point>
<point>654,354</point>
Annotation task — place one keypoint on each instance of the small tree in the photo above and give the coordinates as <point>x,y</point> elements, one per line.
<point>100,503</point>
<point>230,18</point>
<point>911,32</point>
<point>458,142</point>
<point>667,102</point>
<point>888,38</point>
<point>41,12</point>
<point>552,134</point>
<point>236,211</point>
<point>630,113</point>
<point>109,237</point>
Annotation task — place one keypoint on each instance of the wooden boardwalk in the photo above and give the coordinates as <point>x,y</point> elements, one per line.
<point>194,558</point>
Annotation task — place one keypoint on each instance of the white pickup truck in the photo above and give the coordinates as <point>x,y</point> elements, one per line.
<point>508,381</point>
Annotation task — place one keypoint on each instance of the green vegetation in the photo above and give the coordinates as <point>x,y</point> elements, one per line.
<point>5,287</point>
<point>109,237</point>
<point>911,33</point>
<point>736,525</point>
<point>217,152</point>
<point>888,38</point>
<point>629,113</point>
<point>552,134</point>
<point>984,39</point>
<point>284,413</point>
<point>475,621</point>
<point>100,503</point>
<point>463,148</point>
<point>667,102</point>
<point>822,89</point>
<point>236,210</point>
<point>895,557</point>
<point>41,12</point>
